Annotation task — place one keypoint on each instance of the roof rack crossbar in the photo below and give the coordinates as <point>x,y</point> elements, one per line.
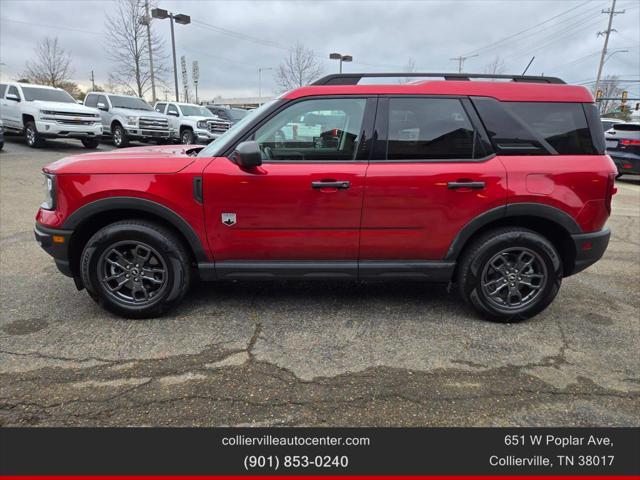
<point>354,78</point>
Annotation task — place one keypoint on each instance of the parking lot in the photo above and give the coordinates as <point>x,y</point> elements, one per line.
<point>310,353</point>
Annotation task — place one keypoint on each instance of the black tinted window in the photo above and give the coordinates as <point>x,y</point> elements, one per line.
<point>536,128</point>
<point>91,101</point>
<point>430,129</point>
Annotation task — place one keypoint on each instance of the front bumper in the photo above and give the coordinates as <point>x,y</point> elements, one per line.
<point>589,249</point>
<point>205,136</point>
<point>137,132</point>
<point>53,129</point>
<point>56,243</point>
<point>626,162</point>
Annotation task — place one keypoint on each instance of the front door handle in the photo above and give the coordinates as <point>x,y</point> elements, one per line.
<point>472,185</point>
<point>331,184</point>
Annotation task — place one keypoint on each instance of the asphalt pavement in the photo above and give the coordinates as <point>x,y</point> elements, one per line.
<point>310,353</point>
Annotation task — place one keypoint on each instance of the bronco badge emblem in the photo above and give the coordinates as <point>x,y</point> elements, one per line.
<point>229,219</point>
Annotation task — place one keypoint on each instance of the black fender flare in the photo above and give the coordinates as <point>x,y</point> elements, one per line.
<point>142,205</point>
<point>539,210</point>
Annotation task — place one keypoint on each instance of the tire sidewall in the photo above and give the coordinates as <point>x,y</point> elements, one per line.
<point>123,137</point>
<point>108,236</point>
<point>492,246</point>
<point>186,134</point>
<point>90,143</point>
<point>31,126</point>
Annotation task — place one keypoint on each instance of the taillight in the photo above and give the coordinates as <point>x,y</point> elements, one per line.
<point>611,180</point>
<point>629,141</point>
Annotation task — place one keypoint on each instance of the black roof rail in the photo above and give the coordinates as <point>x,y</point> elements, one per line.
<point>354,78</point>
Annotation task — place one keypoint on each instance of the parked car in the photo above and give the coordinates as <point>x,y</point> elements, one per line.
<point>231,115</point>
<point>623,145</point>
<point>40,112</point>
<point>1,135</point>
<point>127,118</point>
<point>500,188</point>
<point>192,123</point>
<point>608,123</point>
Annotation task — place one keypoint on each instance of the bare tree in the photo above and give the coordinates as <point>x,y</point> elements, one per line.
<point>496,67</point>
<point>610,87</point>
<point>128,47</point>
<point>298,69</point>
<point>409,67</point>
<point>52,65</point>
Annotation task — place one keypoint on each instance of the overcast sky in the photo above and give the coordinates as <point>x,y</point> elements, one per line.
<point>231,39</point>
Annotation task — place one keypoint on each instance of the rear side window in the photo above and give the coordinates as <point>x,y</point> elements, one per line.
<point>536,128</point>
<point>430,129</point>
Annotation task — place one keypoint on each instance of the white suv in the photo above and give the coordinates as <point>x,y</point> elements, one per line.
<point>192,123</point>
<point>41,112</point>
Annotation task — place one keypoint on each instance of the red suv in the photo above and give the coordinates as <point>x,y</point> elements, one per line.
<point>502,187</point>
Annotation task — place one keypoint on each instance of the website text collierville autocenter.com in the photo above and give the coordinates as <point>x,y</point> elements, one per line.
<point>275,441</point>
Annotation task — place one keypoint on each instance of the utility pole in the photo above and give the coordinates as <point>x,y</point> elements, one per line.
<point>611,12</point>
<point>148,24</point>
<point>461,60</point>
<point>93,82</point>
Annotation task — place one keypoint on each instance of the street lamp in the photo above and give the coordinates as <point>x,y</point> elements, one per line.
<point>342,58</point>
<point>260,70</point>
<point>612,54</point>
<point>182,19</point>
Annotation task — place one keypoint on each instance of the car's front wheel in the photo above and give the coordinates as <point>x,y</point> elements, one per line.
<point>120,139</point>
<point>186,136</point>
<point>510,274</point>
<point>31,135</point>
<point>90,143</point>
<point>136,268</point>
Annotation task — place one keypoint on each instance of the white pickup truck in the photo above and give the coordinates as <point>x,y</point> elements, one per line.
<point>41,112</point>
<point>192,123</point>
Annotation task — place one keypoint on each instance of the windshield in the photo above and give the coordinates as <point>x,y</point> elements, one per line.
<point>128,102</point>
<point>237,114</point>
<point>46,95</point>
<point>219,145</point>
<point>193,111</point>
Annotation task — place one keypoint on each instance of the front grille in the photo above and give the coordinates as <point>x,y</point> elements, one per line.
<point>68,121</point>
<point>216,126</point>
<point>154,123</point>
<point>72,114</point>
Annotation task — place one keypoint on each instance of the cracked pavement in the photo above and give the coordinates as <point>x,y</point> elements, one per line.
<point>310,353</point>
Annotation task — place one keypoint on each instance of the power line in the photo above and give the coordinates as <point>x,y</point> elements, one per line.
<point>70,29</point>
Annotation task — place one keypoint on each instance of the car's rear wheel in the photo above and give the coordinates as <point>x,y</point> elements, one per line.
<point>510,274</point>
<point>31,135</point>
<point>186,136</point>
<point>136,268</point>
<point>120,138</point>
<point>90,143</point>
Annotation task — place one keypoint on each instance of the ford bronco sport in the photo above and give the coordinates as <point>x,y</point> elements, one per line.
<point>501,188</point>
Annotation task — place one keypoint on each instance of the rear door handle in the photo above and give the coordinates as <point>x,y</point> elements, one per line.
<point>473,185</point>
<point>331,184</point>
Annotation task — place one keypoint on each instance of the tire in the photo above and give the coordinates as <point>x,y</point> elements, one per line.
<point>111,277</point>
<point>31,135</point>
<point>186,136</point>
<point>120,139</point>
<point>516,259</point>
<point>90,143</point>
<point>618,175</point>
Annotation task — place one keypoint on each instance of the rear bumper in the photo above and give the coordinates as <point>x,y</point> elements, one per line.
<point>589,248</point>
<point>56,243</point>
<point>625,162</point>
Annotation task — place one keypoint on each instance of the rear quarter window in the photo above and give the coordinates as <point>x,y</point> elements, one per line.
<point>536,128</point>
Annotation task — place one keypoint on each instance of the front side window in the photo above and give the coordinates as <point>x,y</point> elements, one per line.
<point>91,101</point>
<point>430,129</point>
<point>319,129</point>
<point>13,90</point>
<point>3,87</point>
<point>102,99</point>
<point>46,95</point>
<point>172,110</point>
<point>160,107</point>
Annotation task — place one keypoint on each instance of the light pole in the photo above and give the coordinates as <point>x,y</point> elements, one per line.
<point>182,20</point>
<point>342,58</point>
<point>260,70</point>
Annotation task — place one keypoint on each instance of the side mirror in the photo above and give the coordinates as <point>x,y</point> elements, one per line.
<point>173,114</point>
<point>247,155</point>
<point>80,102</point>
<point>102,106</point>
<point>13,96</point>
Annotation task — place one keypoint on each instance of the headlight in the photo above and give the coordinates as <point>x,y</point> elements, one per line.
<point>132,120</point>
<point>49,192</point>
<point>47,112</point>
<point>202,124</point>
